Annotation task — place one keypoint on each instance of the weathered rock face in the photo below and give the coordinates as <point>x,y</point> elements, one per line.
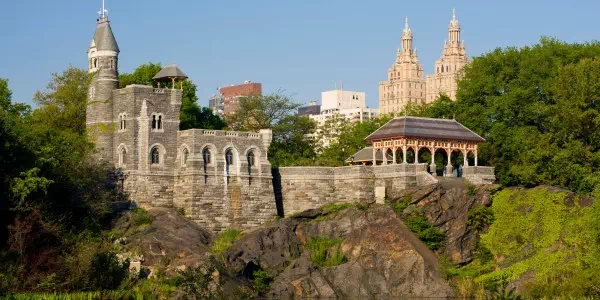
<point>447,206</point>
<point>384,258</point>
<point>170,240</point>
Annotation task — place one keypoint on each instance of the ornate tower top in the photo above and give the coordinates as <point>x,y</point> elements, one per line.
<point>103,13</point>
<point>454,31</point>
<point>407,37</point>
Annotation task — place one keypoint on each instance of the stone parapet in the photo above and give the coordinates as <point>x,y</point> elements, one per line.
<point>311,187</point>
<point>479,175</point>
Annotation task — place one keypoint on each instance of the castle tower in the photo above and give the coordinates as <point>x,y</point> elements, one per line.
<point>405,84</point>
<point>103,54</point>
<point>448,68</point>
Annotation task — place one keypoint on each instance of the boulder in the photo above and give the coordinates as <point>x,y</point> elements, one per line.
<point>301,280</point>
<point>271,248</point>
<point>386,260</point>
<point>170,241</point>
<point>446,205</point>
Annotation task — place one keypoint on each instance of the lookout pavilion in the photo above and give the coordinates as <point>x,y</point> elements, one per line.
<point>403,134</point>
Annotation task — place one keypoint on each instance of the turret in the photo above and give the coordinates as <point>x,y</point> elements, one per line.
<point>103,54</point>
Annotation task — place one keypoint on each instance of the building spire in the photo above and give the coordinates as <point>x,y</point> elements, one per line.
<point>407,46</point>
<point>454,14</point>
<point>103,13</point>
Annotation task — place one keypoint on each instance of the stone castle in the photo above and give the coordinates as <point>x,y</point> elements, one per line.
<point>223,179</point>
<point>406,83</point>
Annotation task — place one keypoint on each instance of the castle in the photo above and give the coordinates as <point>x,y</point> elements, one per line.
<point>406,83</point>
<point>223,179</point>
<point>220,178</point>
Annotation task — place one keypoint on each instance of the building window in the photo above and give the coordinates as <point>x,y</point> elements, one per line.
<point>122,122</point>
<point>250,165</point>
<point>92,93</point>
<point>155,156</point>
<point>228,163</point>
<point>122,157</point>
<point>157,122</point>
<point>153,121</point>
<point>95,63</point>
<point>184,156</point>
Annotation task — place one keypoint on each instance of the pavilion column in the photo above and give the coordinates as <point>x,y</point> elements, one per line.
<point>449,165</point>
<point>394,155</point>
<point>385,156</point>
<point>404,154</point>
<point>417,156</point>
<point>432,168</point>
<point>465,161</point>
<point>374,156</point>
<point>476,158</point>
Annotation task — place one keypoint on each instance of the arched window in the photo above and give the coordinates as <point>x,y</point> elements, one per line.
<point>228,161</point>
<point>251,159</point>
<point>206,156</point>
<point>153,121</point>
<point>155,156</point>
<point>95,63</point>
<point>124,121</point>
<point>159,122</point>
<point>185,155</point>
<point>122,157</point>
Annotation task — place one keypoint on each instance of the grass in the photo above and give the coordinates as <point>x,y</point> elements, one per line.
<point>85,295</point>
<point>140,217</point>
<point>335,207</point>
<point>261,280</point>
<point>326,252</point>
<point>225,240</point>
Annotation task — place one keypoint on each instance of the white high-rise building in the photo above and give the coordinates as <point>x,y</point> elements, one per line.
<point>350,105</point>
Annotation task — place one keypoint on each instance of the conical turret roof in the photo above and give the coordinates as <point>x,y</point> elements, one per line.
<point>104,39</point>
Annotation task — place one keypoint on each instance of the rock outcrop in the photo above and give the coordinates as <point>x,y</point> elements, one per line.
<point>446,205</point>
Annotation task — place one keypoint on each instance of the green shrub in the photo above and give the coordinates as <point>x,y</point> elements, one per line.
<point>471,190</point>
<point>261,280</point>
<point>400,206</point>
<point>480,217</point>
<point>199,282</point>
<point>106,272</point>
<point>181,211</point>
<point>326,252</point>
<point>225,240</point>
<point>140,217</point>
<point>429,234</point>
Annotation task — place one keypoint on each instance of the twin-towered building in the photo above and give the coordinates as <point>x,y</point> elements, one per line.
<point>406,83</point>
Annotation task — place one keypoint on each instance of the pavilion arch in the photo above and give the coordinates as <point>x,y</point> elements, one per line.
<point>389,152</point>
<point>410,155</point>
<point>158,154</point>
<point>377,152</point>
<point>424,155</point>
<point>399,156</point>
<point>441,160</point>
<point>184,153</point>
<point>470,158</point>
<point>122,155</point>
<point>456,158</point>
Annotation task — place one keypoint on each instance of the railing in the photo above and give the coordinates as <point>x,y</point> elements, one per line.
<point>239,134</point>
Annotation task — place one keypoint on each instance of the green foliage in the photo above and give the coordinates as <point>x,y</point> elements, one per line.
<point>326,252</point>
<point>471,190</point>
<point>200,282</point>
<point>417,222</point>
<point>261,112</point>
<point>480,217</point>
<point>290,145</point>
<point>535,231</point>
<point>539,109</point>
<point>225,240</point>
<point>335,207</point>
<point>400,206</point>
<point>261,280</point>
<point>181,211</point>
<point>140,217</point>
<point>107,272</point>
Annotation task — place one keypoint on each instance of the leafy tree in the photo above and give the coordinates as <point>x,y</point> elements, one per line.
<point>192,115</point>
<point>538,108</point>
<point>292,144</point>
<point>261,112</point>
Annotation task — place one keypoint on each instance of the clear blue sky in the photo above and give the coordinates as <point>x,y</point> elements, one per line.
<point>301,47</point>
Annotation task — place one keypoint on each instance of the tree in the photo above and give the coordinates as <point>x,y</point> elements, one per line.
<point>292,144</point>
<point>538,109</point>
<point>261,112</point>
<point>192,115</point>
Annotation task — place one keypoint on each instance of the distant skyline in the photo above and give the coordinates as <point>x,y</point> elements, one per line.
<point>302,47</point>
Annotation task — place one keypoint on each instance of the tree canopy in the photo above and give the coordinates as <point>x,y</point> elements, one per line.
<point>539,109</point>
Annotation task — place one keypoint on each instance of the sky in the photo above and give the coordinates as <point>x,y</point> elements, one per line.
<point>300,47</point>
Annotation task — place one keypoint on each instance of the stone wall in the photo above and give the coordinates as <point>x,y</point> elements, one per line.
<point>479,175</point>
<point>310,187</point>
